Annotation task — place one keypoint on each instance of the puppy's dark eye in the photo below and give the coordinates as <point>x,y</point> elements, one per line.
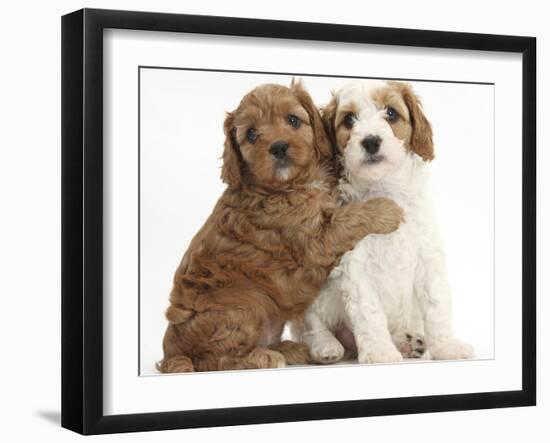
<point>349,120</point>
<point>251,135</point>
<point>391,113</point>
<point>294,121</point>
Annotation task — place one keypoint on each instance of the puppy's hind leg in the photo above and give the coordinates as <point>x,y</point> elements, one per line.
<point>258,358</point>
<point>409,337</point>
<point>294,353</point>
<point>179,363</point>
<point>411,345</point>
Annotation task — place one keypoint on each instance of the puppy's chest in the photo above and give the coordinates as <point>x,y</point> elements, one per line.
<point>401,249</point>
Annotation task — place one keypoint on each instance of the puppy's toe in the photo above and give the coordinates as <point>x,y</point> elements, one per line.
<point>327,352</point>
<point>265,358</point>
<point>410,345</point>
<point>175,364</point>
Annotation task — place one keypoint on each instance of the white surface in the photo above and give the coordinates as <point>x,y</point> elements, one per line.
<point>165,220</point>
<point>30,233</point>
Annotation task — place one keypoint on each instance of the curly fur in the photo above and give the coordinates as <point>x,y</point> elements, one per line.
<point>393,285</point>
<point>269,244</point>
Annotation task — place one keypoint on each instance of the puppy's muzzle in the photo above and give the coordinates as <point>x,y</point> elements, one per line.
<point>371,143</point>
<point>279,149</point>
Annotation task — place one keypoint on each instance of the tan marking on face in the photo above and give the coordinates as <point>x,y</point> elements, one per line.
<point>342,132</point>
<point>420,140</point>
<point>390,96</point>
<point>411,125</point>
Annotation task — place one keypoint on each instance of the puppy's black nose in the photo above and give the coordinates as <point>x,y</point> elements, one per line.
<point>278,149</point>
<point>371,143</point>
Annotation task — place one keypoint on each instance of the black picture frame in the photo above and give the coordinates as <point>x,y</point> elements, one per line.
<point>82,220</point>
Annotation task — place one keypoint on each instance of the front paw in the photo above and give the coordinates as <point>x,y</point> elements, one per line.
<point>327,350</point>
<point>379,353</point>
<point>385,215</point>
<point>451,349</point>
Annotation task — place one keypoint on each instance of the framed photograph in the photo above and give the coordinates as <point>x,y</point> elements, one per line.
<point>269,221</point>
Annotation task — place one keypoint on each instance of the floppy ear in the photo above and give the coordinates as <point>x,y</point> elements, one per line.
<point>421,137</point>
<point>328,114</point>
<point>321,140</point>
<point>232,160</point>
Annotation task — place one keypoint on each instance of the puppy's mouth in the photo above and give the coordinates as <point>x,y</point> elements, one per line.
<point>373,159</point>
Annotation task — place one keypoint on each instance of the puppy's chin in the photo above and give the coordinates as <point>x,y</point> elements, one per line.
<point>368,168</point>
<point>373,170</point>
<point>283,172</point>
<point>374,160</point>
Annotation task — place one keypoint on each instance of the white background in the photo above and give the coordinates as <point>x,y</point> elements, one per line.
<point>181,145</point>
<point>30,234</point>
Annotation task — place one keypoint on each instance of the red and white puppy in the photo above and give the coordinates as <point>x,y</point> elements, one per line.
<point>390,289</point>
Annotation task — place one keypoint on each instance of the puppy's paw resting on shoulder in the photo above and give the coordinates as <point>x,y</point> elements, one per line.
<point>451,349</point>
<point>380,352</point>
<point>385,215</point>
<point>326,349</point>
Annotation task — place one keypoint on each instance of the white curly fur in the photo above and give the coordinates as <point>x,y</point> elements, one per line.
<point>388,285</point>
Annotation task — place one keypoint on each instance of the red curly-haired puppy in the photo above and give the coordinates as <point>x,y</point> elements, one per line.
<point>268,246</point>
